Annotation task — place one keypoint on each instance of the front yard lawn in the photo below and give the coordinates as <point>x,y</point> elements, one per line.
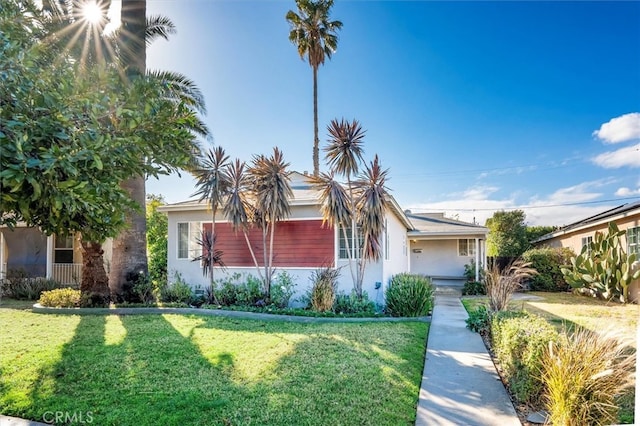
<point>191,370</point>
<point>569,309</point>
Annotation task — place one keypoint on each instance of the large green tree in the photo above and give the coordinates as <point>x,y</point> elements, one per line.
<point>314,34</point>
<point>507,234</point>
<point>70,135</point>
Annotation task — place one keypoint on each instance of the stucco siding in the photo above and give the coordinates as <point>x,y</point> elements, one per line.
<point>397,260</point>
<point>437,258</point>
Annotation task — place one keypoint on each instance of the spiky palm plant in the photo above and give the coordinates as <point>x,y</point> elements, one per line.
<point>314,34</point>
<point>211,256</point>
<point>212,183</point>
<point>362,204</point>
<point>271,190</point>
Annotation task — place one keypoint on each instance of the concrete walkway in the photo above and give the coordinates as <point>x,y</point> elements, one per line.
<point>460,385</point>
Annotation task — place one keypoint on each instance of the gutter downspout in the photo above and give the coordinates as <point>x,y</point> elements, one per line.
<point>49,274</point>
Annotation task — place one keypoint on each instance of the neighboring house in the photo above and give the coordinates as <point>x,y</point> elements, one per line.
<point>27,249</point>
<point>581,233</point>
<point>302,244</point>
<point>441,247</point>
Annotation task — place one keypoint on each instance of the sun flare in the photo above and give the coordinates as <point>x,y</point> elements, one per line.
<point>92,12</point>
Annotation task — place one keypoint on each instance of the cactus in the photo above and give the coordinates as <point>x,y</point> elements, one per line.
<point>603,267</point>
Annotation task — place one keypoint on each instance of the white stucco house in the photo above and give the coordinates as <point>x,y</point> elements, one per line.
<point>428,244</point>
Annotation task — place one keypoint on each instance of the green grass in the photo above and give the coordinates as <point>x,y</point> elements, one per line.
<point>178,370</point>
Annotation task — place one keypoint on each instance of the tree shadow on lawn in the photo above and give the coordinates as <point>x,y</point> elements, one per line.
<point>188,370</point>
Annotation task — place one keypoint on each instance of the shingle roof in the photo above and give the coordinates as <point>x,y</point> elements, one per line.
<point>437,224</point>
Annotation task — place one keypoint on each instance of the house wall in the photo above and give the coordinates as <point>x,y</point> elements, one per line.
<point>398,258</point>
<point>438,258</point>
<point>297,243</point>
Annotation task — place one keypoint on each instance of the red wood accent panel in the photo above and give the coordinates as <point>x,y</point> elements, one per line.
<point>296,243</point>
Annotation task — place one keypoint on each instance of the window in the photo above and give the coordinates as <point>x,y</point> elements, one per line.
<point>188,233</point>
<point>386,240</point>
<point>633,240</point>
<point>343,252</point>
<point>586,242</point>
<point>467,247</point>
<point>63,249</point>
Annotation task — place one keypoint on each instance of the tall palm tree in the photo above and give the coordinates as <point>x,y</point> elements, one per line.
<point>271,189</point>
<point>314,34</point>
<point>238,209</point>
<point>212,185</point>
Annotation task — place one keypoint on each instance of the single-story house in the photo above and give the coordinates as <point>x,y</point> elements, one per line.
<point>581,233</point>
<point>29,250</point>
<point>426,244</point>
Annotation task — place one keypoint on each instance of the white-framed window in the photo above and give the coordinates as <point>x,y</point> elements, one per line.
<point>633,240</point>
<point>188,233</point>
<point>63,249</point>
<point>387,255</point>
<point>466,247</point>
<point>586,242</point>
<point>343,252</point>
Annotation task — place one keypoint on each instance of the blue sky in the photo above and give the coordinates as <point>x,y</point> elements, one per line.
<point>473,106</point>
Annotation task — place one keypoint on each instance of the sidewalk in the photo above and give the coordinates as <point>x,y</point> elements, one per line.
<point>460,385</point>
<point>14,421</point>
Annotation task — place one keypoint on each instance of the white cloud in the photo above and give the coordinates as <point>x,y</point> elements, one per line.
<point>627,192</point>
<point>628,156</point>
<point>620,129</point>
<point>476,203</point>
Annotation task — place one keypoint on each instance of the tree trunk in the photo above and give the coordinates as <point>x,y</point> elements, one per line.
<point>316,142</point>
<point>129,256</point>
<point>130,247</point>
<point>94,285</point>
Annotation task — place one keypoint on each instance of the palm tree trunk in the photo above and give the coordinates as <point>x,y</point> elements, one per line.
<point>253,255</point>
<point>211,253</point>
<point>130,247</point>
<point>273,227</point>
<point>267,277</point>
<point>316,142</point>
<point>94,285</point>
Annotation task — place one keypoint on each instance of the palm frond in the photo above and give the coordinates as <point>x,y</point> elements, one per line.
<point>335,201</point>
<point>344,151</point>
<point>212,181</point>
<point>210,256</point>
<point>179,88</point>
<point>272,185</point>
<point>371,207</point>
<point>158,26</point>
<point>236,207</point>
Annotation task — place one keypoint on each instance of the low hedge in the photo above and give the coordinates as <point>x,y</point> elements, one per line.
<point>519,340</point>
<point>60,298</point>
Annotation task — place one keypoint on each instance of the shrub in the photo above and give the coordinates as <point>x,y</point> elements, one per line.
<point>19,285</point>
<point>547,262</point>
<point>282,290</point>
<point>322,294</point>
<point>479,320</point>
<point>470,271</point>
<point>500,284</point>
<point>409,295</point>
<point>250,292</point>
<point>518,341</point>
<point>60,298</point>
<point>144,289</point>
<point>583,373</point>
<point>177,292</point>
<point>352,304</point>
<point>473,288</point>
